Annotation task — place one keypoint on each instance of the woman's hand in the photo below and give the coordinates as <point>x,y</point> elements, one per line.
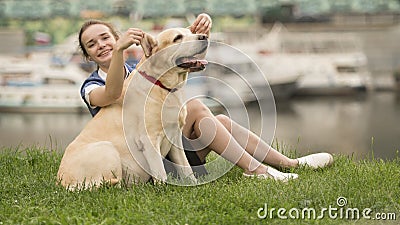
<point>130,37</point>
<point>202,24</point>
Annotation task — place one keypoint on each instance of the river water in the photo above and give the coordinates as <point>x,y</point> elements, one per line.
<point>357,125</point>
<point>361,125</point>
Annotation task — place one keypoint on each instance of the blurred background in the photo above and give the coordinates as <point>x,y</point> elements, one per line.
<point>333,67</point>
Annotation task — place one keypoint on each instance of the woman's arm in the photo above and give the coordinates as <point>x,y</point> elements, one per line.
<point>109,93</point>
<point>202,24</point>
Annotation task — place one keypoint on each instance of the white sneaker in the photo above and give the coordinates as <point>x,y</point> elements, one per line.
<point>274,174</point>
<point>317,160</point>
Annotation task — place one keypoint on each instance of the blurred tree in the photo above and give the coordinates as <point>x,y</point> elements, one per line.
<point>196,7</point>
<point>232,7</point>
<point>124,7</point>
<point>2,9</point>
<point>59,8</point>
<point>26,9</point>
<point>279,12</point>
<point>4,20</point>
<point>268,9</point>
<point>161,8</point>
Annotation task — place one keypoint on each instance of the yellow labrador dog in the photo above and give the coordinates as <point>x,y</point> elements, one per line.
<point>127,140</point>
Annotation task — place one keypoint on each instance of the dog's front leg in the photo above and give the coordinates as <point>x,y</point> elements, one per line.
<point>154,159</point>
<point>183,168</point>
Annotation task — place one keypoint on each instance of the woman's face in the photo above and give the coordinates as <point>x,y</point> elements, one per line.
<point>98,41</point>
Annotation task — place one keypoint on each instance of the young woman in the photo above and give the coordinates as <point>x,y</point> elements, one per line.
<point>100,43</point>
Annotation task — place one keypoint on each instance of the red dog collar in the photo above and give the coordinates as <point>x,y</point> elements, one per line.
<point>156,82</point>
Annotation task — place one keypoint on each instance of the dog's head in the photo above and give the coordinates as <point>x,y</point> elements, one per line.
<point>176,49</point>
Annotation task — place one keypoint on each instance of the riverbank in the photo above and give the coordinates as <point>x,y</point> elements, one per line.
<point>334,195</point>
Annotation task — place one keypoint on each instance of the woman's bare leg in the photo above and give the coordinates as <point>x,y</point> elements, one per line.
<point>210,132</point>
<point>255,146</point>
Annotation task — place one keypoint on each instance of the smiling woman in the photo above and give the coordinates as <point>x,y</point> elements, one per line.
<point>100,42</point>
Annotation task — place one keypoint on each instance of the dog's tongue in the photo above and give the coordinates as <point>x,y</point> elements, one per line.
<point>198,62</point>
<point>192,63</point>
<point>202,61</point>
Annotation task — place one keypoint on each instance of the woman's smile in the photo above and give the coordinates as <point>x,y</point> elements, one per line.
<point>105,53</point>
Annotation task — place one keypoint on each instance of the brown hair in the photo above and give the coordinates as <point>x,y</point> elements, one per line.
<point>89,23</point>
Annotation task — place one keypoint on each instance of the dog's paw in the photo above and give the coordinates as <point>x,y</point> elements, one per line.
<point>193,182</point>
<point>192,179</point>
<point>158,181</point>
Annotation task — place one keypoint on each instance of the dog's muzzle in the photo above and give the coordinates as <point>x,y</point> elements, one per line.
<point>193,63</point>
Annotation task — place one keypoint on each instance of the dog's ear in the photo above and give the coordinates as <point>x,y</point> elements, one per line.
<point>148,43</point>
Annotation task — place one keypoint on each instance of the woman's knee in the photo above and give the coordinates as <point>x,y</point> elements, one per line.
<point>225,120</point>
<point>196,111</point>
<point>195,106</point>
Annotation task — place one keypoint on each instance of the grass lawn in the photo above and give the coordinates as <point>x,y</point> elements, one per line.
<point>29,195</point>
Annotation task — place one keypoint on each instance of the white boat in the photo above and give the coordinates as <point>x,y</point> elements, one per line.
<point>33,85</point>
<point>263,76</point>
<point>326,63</point>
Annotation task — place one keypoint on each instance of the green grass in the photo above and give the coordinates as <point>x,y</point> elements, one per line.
<point>29,195</point>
